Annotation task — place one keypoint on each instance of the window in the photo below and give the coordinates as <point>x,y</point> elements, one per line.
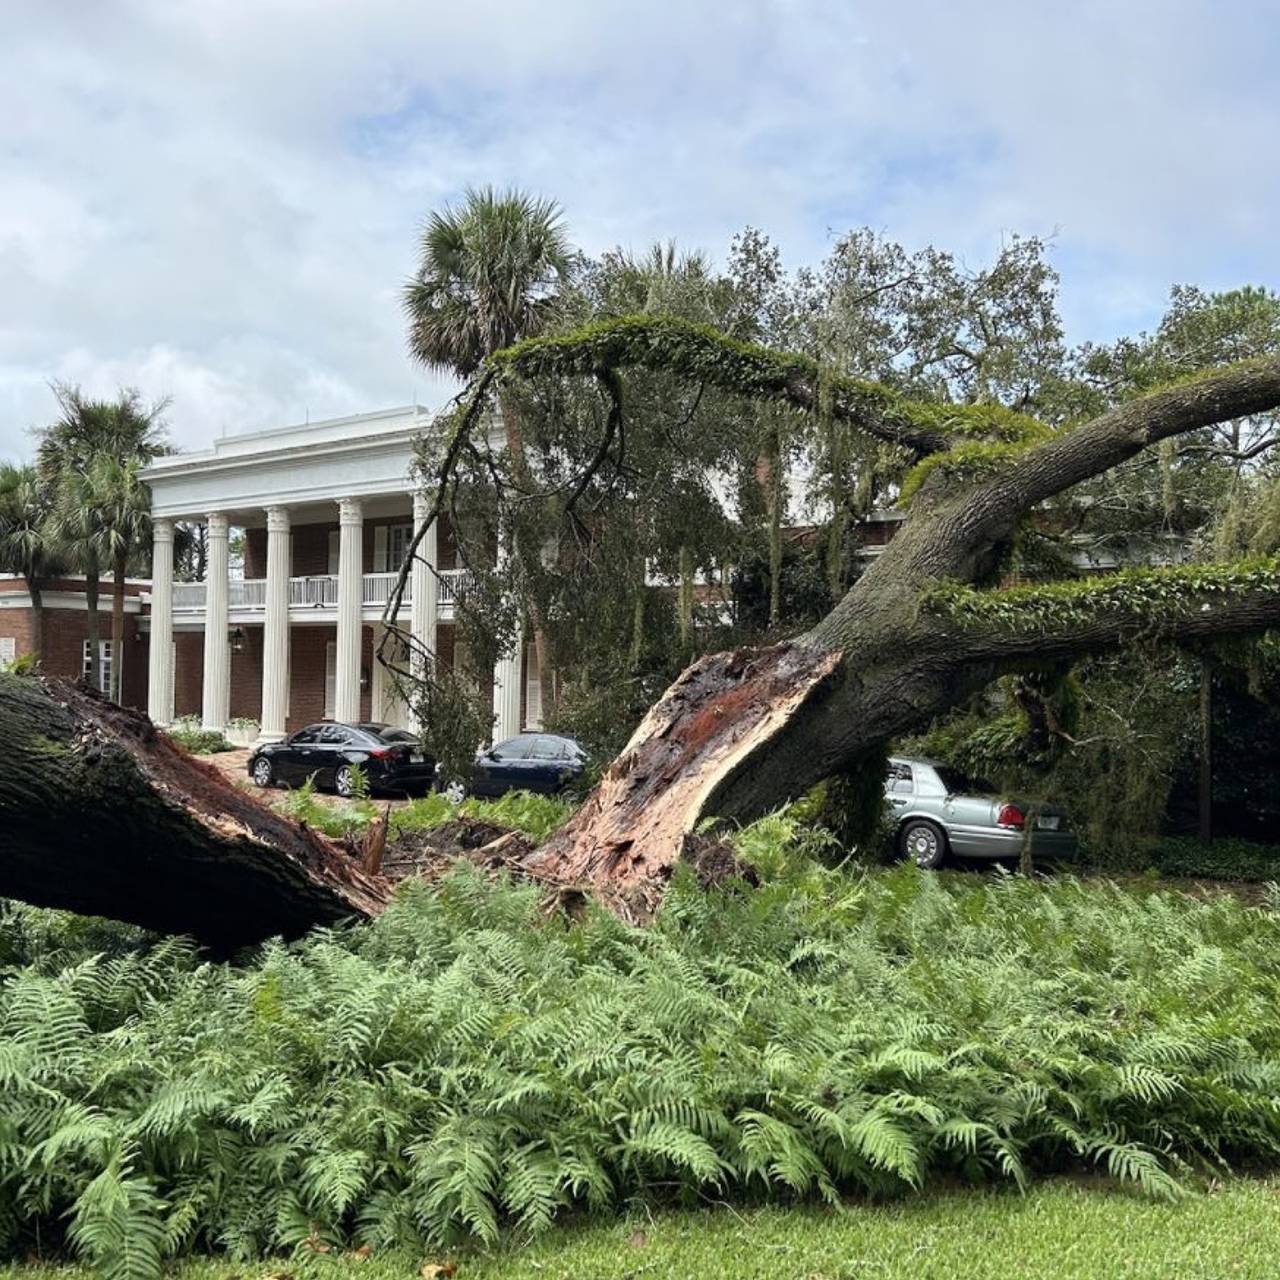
<point>956,783</point>
<point>397,735</point>
<point>398,538</point>
<point>547,749</point>
<point>514,748</point>
<point>304,736</point>
<point>335,735</point>
<point>899,779</point>
<point>104,665</point>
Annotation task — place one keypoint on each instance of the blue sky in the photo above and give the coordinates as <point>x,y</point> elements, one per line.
<point>220,201</point>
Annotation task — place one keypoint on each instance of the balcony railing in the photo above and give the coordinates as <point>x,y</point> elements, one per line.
<point>249,595</point>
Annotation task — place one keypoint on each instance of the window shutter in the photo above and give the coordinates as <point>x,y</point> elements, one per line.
<point>330,676</point>
<point>380,562</point>
<point>532,689</point>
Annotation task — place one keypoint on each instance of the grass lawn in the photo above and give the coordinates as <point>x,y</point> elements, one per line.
<point>1060,1229</point>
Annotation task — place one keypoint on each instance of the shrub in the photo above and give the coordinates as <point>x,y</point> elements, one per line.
<point>1223,859</point>
<point>469,1062</point>
<point>200,742</point>
<point>536,815</point>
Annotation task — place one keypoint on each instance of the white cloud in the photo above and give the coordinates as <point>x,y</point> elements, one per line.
<point>219,201</point>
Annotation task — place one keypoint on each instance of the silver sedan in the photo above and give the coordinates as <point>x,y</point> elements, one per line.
<point>937,810</point>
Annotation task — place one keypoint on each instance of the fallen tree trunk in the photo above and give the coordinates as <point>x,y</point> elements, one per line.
<point>101,814</point>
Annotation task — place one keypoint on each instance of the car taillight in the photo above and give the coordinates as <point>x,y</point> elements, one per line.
<point>1010,816</point>
<point>387,753</point>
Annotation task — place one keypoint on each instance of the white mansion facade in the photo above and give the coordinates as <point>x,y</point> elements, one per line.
<point>327,510</point>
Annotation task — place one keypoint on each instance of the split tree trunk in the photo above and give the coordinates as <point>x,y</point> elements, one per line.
<point>724,710</point>
<point>101,814</point>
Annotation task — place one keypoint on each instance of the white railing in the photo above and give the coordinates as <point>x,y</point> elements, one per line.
<point>320,591</point>
<point>247,593</point>
<point>453,582</point>
<point>376,588</point>
<point>188,595</point>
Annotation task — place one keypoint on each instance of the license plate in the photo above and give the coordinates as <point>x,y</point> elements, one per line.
<point>415,757</point>
<point>1047,822</point>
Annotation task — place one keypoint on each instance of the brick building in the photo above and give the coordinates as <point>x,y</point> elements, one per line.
<point>66,631</point>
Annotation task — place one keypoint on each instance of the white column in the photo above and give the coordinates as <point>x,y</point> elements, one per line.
<point>160,657</point>
<point>424,592</point>
<point>346,693</point>
<point>506,692</point>
<point>217,649</point>
<point>275,629</point>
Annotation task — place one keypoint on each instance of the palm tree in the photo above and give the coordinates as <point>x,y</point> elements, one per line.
<point>124,506</point>
<point>89,459</point>
<point>489,274</point>
<point>28,545</point>
<point>77,528</point>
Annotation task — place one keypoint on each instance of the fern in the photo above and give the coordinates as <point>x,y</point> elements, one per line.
<point>467,1064</point>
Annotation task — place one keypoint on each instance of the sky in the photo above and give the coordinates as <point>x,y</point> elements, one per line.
<point>219,201</point>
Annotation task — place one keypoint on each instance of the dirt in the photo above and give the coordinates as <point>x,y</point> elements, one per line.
<point>233,765</point>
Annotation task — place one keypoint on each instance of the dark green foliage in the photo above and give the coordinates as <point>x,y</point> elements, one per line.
<point>201,742</point>
<point>1224,858</point>
<point>468,1062</point>
<point>851,807</point>
<point>1128,721</point>
<point>805,588</point>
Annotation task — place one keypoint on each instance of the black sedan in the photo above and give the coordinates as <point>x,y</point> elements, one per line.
<point>540,762</point>
<point>392,759</point>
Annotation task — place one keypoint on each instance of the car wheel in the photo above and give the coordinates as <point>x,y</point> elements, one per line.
<point>263,774</point>
<point>455,792</point>
<point>924,843</point>
<point>344,782</point>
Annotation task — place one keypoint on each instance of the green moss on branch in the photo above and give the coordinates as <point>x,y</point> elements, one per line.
<point>701,353</point>
<point>1154,594</point>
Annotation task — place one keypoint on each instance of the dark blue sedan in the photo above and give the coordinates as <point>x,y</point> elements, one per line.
<point>541,762</point>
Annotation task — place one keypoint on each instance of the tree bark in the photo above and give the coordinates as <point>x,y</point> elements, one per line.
<point>101,814</point>
<point>119,571</point>
<point>36,593</point>
<point>94,622</point>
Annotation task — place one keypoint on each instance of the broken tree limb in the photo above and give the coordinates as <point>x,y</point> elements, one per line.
<point>636,824</point>
<point>102,814</point>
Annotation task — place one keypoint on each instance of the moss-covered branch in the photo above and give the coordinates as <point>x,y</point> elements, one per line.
<point>702,354</point>
<point>1177,602</point>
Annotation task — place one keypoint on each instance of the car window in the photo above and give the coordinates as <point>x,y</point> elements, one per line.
<point>397,735</point>
<point>303,736</point>
<point>336,735</point>
<point>899,779</point>
<point>546,749</point>
<point>959,784</point>
<point>516,748</point>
